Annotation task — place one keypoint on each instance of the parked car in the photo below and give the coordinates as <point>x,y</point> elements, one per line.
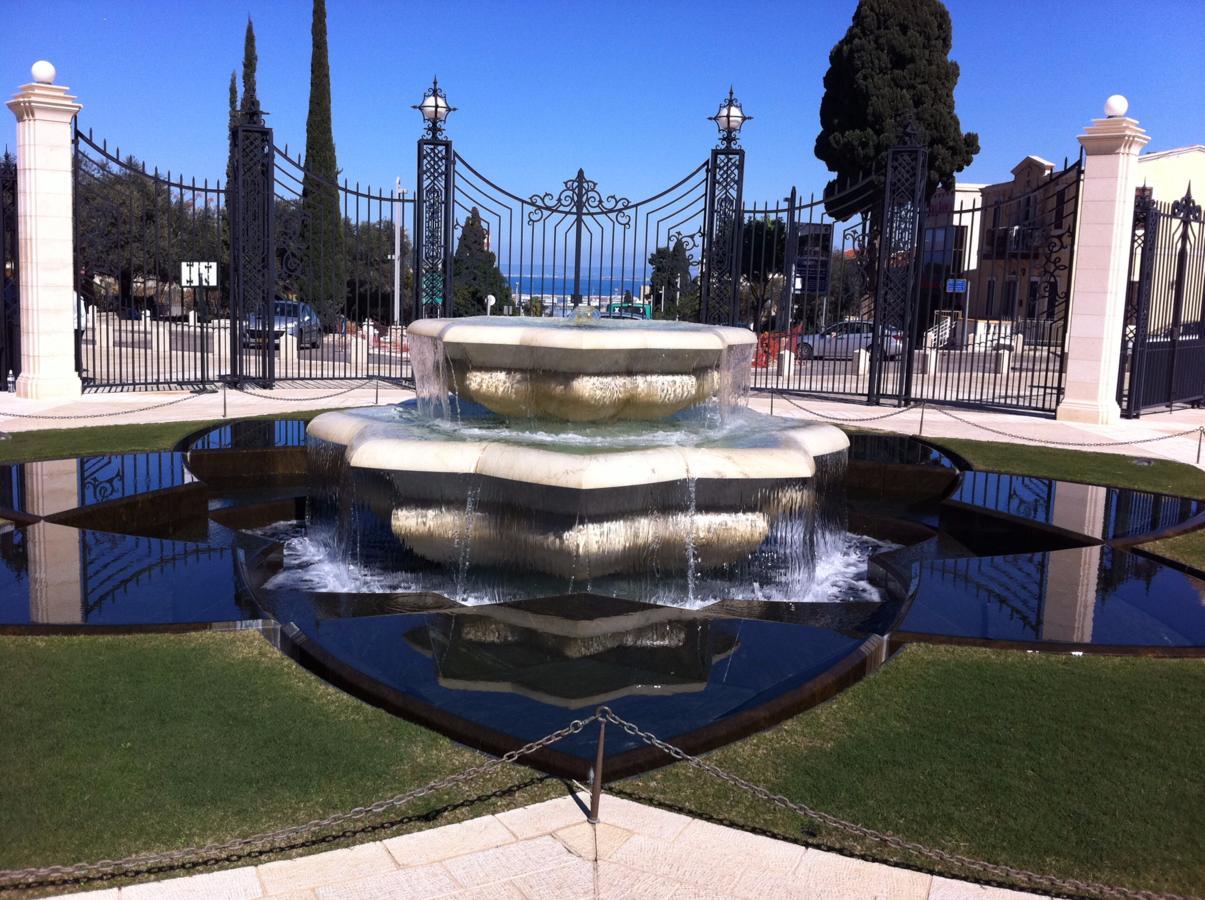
<point>289,317</point>
<point>841,340</point>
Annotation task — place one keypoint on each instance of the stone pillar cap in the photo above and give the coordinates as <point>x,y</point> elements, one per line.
<point>45,98</point>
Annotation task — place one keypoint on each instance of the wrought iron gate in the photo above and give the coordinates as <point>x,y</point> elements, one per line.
<point>1163,351</point>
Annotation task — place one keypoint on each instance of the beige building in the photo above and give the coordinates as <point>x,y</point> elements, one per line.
<point>1169,172</point>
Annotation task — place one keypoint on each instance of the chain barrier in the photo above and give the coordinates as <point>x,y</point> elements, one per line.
<point>1199,430</point>
<point>266,396</point>
<point>166,403</point>
<point>1047,882</point>
<point>230,850</point>
<point>104,415</point>
<point>831,417</point>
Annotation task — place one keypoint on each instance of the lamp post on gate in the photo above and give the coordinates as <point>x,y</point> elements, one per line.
<point>433,222</point>
<point>720,286</point>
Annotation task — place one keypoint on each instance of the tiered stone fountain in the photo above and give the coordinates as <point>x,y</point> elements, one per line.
<point>586,451</point>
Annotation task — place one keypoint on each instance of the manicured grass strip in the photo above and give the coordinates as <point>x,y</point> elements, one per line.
<point>57,443</point>
<point>1076,766</point>
<point>1161,476</point>
<point>120,745</point>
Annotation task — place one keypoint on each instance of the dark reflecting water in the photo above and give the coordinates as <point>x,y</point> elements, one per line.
<point>1103,512</point>
<point>525,673</point>
<point>1091,595</point>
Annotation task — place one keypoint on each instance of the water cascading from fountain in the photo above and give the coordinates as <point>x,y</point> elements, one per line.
<point>637,488</point>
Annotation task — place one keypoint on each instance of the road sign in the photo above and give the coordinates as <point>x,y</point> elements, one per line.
<point>199,274</point>
<point>956,285</point>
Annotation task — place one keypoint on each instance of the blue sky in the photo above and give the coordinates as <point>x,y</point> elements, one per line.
<point>622,89</point>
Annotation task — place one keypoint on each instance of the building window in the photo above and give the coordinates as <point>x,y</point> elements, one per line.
<point>1031,299</point>
<point>991,297</point>
<point>1010,299</point>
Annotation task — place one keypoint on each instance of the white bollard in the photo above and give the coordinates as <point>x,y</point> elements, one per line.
<point>860,363</point>
<point>786,363</point>
<point>1003,361</point>
<point>926,363</point>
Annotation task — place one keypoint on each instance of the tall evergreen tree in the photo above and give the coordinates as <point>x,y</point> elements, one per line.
<point>323,266</point>
<point>475,273</point>
<point>231,121</point>
<point>250,104</point>
<point>890,68</point>
<point>674,292</point>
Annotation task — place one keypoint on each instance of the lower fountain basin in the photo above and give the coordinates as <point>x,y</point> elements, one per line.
<point>703,497</point>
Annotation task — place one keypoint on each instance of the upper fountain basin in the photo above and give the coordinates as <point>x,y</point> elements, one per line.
<point>581,370</point>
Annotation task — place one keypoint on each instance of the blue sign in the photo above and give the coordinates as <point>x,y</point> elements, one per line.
<point>956,285</point>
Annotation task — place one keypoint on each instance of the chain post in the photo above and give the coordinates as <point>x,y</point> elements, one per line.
<point>223,399</point>
<point>596,783</point>
<point>1200,435</point>
<point>376,396</point>
<point>920,431</point>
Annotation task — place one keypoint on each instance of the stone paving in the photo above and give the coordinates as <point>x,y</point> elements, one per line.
<point>291,399</point>
<point>549,850</point>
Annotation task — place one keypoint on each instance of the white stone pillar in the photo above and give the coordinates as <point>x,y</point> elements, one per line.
<point>46,256</point>
<point>1102,253</point>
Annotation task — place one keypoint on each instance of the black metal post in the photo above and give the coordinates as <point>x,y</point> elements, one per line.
<point>920,431</point>
<point>722,225</point>
<point>433,227</point>
<point>252,245</point>
<point>898,270</point>
<point>579,208</point>
<point>788,265</point>
<point>596,783</point>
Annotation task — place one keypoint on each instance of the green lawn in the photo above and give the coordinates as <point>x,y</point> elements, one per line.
<point>120,745</point>
<point>1079,766</point>
<point>1161,476</point>
<point>1087,767</point>
<point>57,443</point>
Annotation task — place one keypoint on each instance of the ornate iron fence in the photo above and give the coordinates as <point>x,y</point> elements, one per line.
<point>957,301</point>
<point>137,324</point>
<point>1163,346</point>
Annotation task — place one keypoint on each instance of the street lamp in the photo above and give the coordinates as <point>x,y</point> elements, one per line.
<point>434,108</point>
<point>729,120</point>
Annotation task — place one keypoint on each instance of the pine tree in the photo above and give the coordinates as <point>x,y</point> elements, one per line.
<point>250,105</point>
<point>475,273</point>
<point>674,292</point>
<point>323,267</point>
<point>890,68</point>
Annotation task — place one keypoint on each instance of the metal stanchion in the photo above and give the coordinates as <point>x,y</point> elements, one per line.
<point>921,430</point>
<point>596,782</point>
<point>1200,434</point>
<point>223,400</point>
<point>376,397</point>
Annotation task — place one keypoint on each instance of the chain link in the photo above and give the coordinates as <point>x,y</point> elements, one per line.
<point>1048,882</point>
<point>1110,443</point>
<point>229,850</point>
<point>973,424</point>
<point>267,396</point>
<point>820,415</point>
<point>104,415</point>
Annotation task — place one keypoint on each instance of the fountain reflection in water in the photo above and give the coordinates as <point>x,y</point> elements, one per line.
<point>542,458</point>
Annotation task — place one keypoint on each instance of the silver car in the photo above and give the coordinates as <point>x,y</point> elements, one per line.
<point>289,317</point>
<point>841,340</point>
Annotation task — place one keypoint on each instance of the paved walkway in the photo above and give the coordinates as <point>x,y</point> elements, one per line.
<point>128,408</point>
<point>549,850</point>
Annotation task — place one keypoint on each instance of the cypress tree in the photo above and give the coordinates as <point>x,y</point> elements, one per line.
<point>475,273</point>
<point>250,104</point>
<point>890,68</point>
<point>231,121</point>
<point>324,282</point>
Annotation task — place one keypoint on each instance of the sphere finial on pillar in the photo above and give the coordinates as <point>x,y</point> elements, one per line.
<point>43,72</point>
<point>1116,106</point>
